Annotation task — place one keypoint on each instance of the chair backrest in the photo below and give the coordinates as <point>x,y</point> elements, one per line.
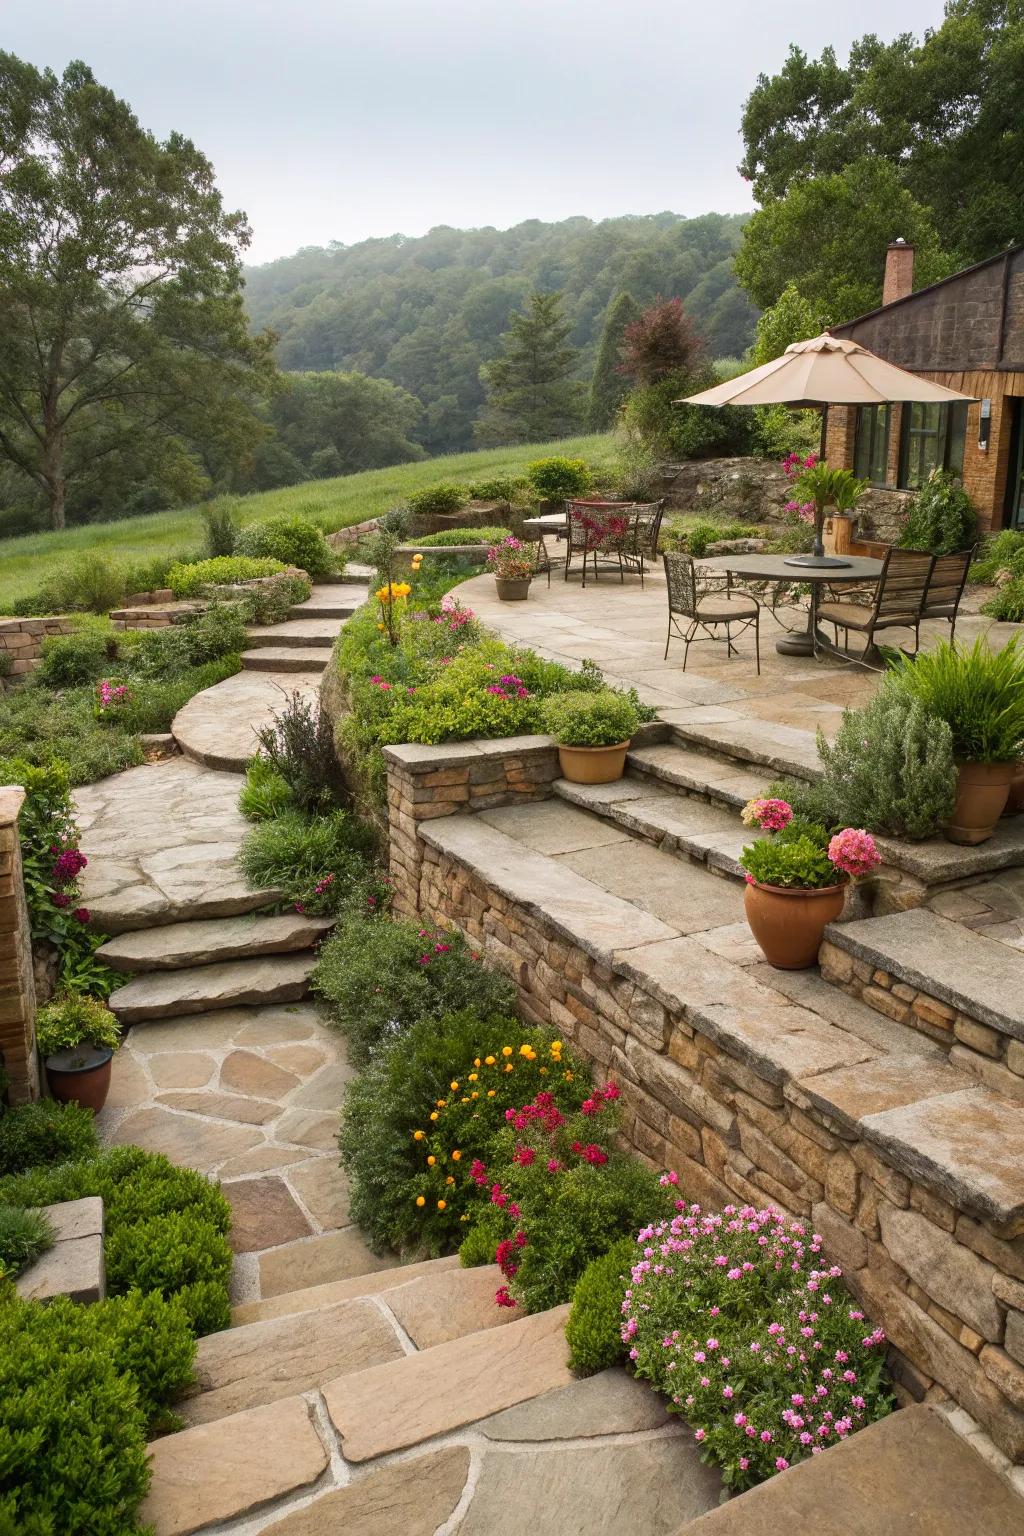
<point>599,525</point>
<point>681,576</point>
<point>947,582</point>
<point>903,584</point>
<point>647,527</point>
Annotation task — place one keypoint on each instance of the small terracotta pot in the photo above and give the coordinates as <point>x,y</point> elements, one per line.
<point>593,765</point>
<point>1015,799</point>
<point>512,591</point>
<point>80,1075</point>
<point>982,790</point>
<point>788,924</point>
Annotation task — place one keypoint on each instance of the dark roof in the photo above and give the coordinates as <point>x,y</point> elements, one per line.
<point>954,277</point>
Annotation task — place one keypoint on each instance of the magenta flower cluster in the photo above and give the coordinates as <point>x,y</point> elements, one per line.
<point>794,465</point>
<point>742,1323</point>
<point>453,615</point>
<point>509,687</point>
<point>769,815</point>
<point>111,695</point>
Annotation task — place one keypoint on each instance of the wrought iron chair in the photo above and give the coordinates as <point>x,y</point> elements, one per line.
<point>598,528</point>
<point>647,516</point>
<point>946,587</point>
<point>898,602</point>
<point>545,558</point>
<point>691,599</point>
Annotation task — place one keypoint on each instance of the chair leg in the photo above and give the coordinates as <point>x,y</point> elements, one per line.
<point>668,638</point>
<point>688,638</point>
<point>757,640</point>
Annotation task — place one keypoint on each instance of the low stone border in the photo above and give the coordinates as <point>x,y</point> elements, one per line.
<point>74,1266</point>
<point>21,642</point>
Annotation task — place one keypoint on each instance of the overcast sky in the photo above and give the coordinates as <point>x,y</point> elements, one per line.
<point>340,119</point>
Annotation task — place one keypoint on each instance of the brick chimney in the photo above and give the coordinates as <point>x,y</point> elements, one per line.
<point>899,272</point>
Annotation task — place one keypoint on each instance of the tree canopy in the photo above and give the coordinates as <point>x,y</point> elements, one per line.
<point>428,313</point>
<point>919,139</point>
<point>122,330</point>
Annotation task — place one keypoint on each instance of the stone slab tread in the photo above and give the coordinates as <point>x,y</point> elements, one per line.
<point>280,658</point>
<point>178,946</point>
<point>203,988</point>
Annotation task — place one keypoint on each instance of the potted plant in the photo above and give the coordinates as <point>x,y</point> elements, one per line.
<point>77,1036</point>
<point>593,732</point>
<point>512,564</point>
<point>797,879</point>
<point>817,487</point>
<point>980,694</point>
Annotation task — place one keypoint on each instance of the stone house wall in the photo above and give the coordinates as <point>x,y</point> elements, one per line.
<point>756,1103</point>
<point>21,642</point>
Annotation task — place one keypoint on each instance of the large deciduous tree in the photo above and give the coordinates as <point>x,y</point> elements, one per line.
<point>531,391</point>
<point>120,285</point>
<point>919,139</point>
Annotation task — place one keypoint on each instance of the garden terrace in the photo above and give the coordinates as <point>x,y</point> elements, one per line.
<point>618,911</point>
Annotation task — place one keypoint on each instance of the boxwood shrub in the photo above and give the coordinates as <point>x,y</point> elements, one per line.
<point>44,1133</point>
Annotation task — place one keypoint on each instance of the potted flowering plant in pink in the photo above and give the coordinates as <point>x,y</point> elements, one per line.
<point>512,564</point>
<point>797,879</point>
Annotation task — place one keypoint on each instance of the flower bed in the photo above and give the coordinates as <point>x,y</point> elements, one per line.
<point>752,1336</point>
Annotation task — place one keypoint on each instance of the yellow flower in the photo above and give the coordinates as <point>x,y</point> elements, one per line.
<point>567,1076</point>
<point>418,1135</point>
<point>449,1180</point>
<point>473,1076</point>
<point>490,1093</point>
<point>543,1071</point>
<point>509,1067</point>
<point>506,1050</point>
<point>476,1061</point>
<point>441,1103</point>
<point>433,1114</point>
<point>528,1053</point>
<point>456,1155</point>
<point>489,1060</point>
<point>431,1161</point>
<point>474,1095</point>
<point>556,1045</point>
<point>420,1200</point>
<point>453,1086</point>
<point>442,1205</point>
<point>464,1216</point>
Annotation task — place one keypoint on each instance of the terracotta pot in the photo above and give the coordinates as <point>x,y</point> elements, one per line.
<point>80,1075</point>
<point>593,765</point>
<point>1015,799</point>
<point>788,924</point>
<point>982,790</point>
<point>512,591</point>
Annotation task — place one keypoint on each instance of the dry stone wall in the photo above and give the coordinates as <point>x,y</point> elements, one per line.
<point>911,1170</point>
<point>21,642</point>
<point>17,989</point>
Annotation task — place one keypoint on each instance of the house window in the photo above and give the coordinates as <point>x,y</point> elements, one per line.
<point>871,444</point>
<point>933,438</point>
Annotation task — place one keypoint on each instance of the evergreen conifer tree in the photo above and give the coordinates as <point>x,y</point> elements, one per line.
<point>531,392</point>
<point>609,385</point>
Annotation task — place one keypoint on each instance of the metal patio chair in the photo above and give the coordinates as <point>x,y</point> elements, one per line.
<point>897,604</point>
<point>701,600</point>
<point>598,528</point>
<point>643,546</point>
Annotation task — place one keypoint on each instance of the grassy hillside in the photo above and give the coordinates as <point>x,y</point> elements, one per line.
<point>25,562</point>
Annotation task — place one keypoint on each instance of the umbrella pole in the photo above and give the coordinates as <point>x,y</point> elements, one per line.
<point>819,547</point>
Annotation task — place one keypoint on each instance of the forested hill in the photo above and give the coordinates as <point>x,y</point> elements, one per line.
<point>425,313</point>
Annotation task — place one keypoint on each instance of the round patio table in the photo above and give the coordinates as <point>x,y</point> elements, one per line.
<point>856,570</point>
<point>548,522</point>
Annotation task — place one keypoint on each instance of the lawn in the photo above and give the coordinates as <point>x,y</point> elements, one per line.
<point>25,562</point>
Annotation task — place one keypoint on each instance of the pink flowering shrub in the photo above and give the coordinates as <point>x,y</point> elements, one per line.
<point>853,851</point>
<point>559,1195</point>
<point>769,815</point>
<point>742,1323</point>
<point>110,698</point>
<point>511,560</point>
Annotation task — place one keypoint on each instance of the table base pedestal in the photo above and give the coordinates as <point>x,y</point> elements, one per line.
<point>795,644</point>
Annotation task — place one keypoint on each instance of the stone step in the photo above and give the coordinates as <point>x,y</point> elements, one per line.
<point>684,825</point>
<point>209,942</point>
<point>315,631</point>
<point>356,1287</point>
<point>332,600</point>
<point>696,773</point>
<point>261,1361</point>
<point>218,727</point>
<point>203,988</point>
<point>281,658</point>
<point>779,749</point>
<point>389,1407</point>
<point>909,1472</point>
<point>962,968</point>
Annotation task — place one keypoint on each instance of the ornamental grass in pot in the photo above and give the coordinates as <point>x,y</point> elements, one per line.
<point>513,565</point>
<point>980,694</point>
<point>797,879</point>
<point>77,1036</point>
<point>593,732</point>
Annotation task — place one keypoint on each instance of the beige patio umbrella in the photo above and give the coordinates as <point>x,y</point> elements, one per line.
<point>827,370</point>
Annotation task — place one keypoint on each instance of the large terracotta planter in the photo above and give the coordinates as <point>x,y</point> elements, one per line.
<point>512,591</point>
<point>788,924</point>
<point>593,765</point>
<point>80,1075</point>
<point>1015,799</point>
<point>982,790</point>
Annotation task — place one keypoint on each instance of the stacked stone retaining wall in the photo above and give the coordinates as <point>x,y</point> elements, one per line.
<point>912,1172</point>
<point>21,642</point>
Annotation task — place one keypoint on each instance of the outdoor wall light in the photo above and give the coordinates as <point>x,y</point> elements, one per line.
<point>984,425</point>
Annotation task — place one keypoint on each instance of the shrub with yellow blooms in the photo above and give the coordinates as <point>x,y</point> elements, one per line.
<point>428,1110</point>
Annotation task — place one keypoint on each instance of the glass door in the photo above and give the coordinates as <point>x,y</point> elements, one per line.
<point>1015,486</point>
